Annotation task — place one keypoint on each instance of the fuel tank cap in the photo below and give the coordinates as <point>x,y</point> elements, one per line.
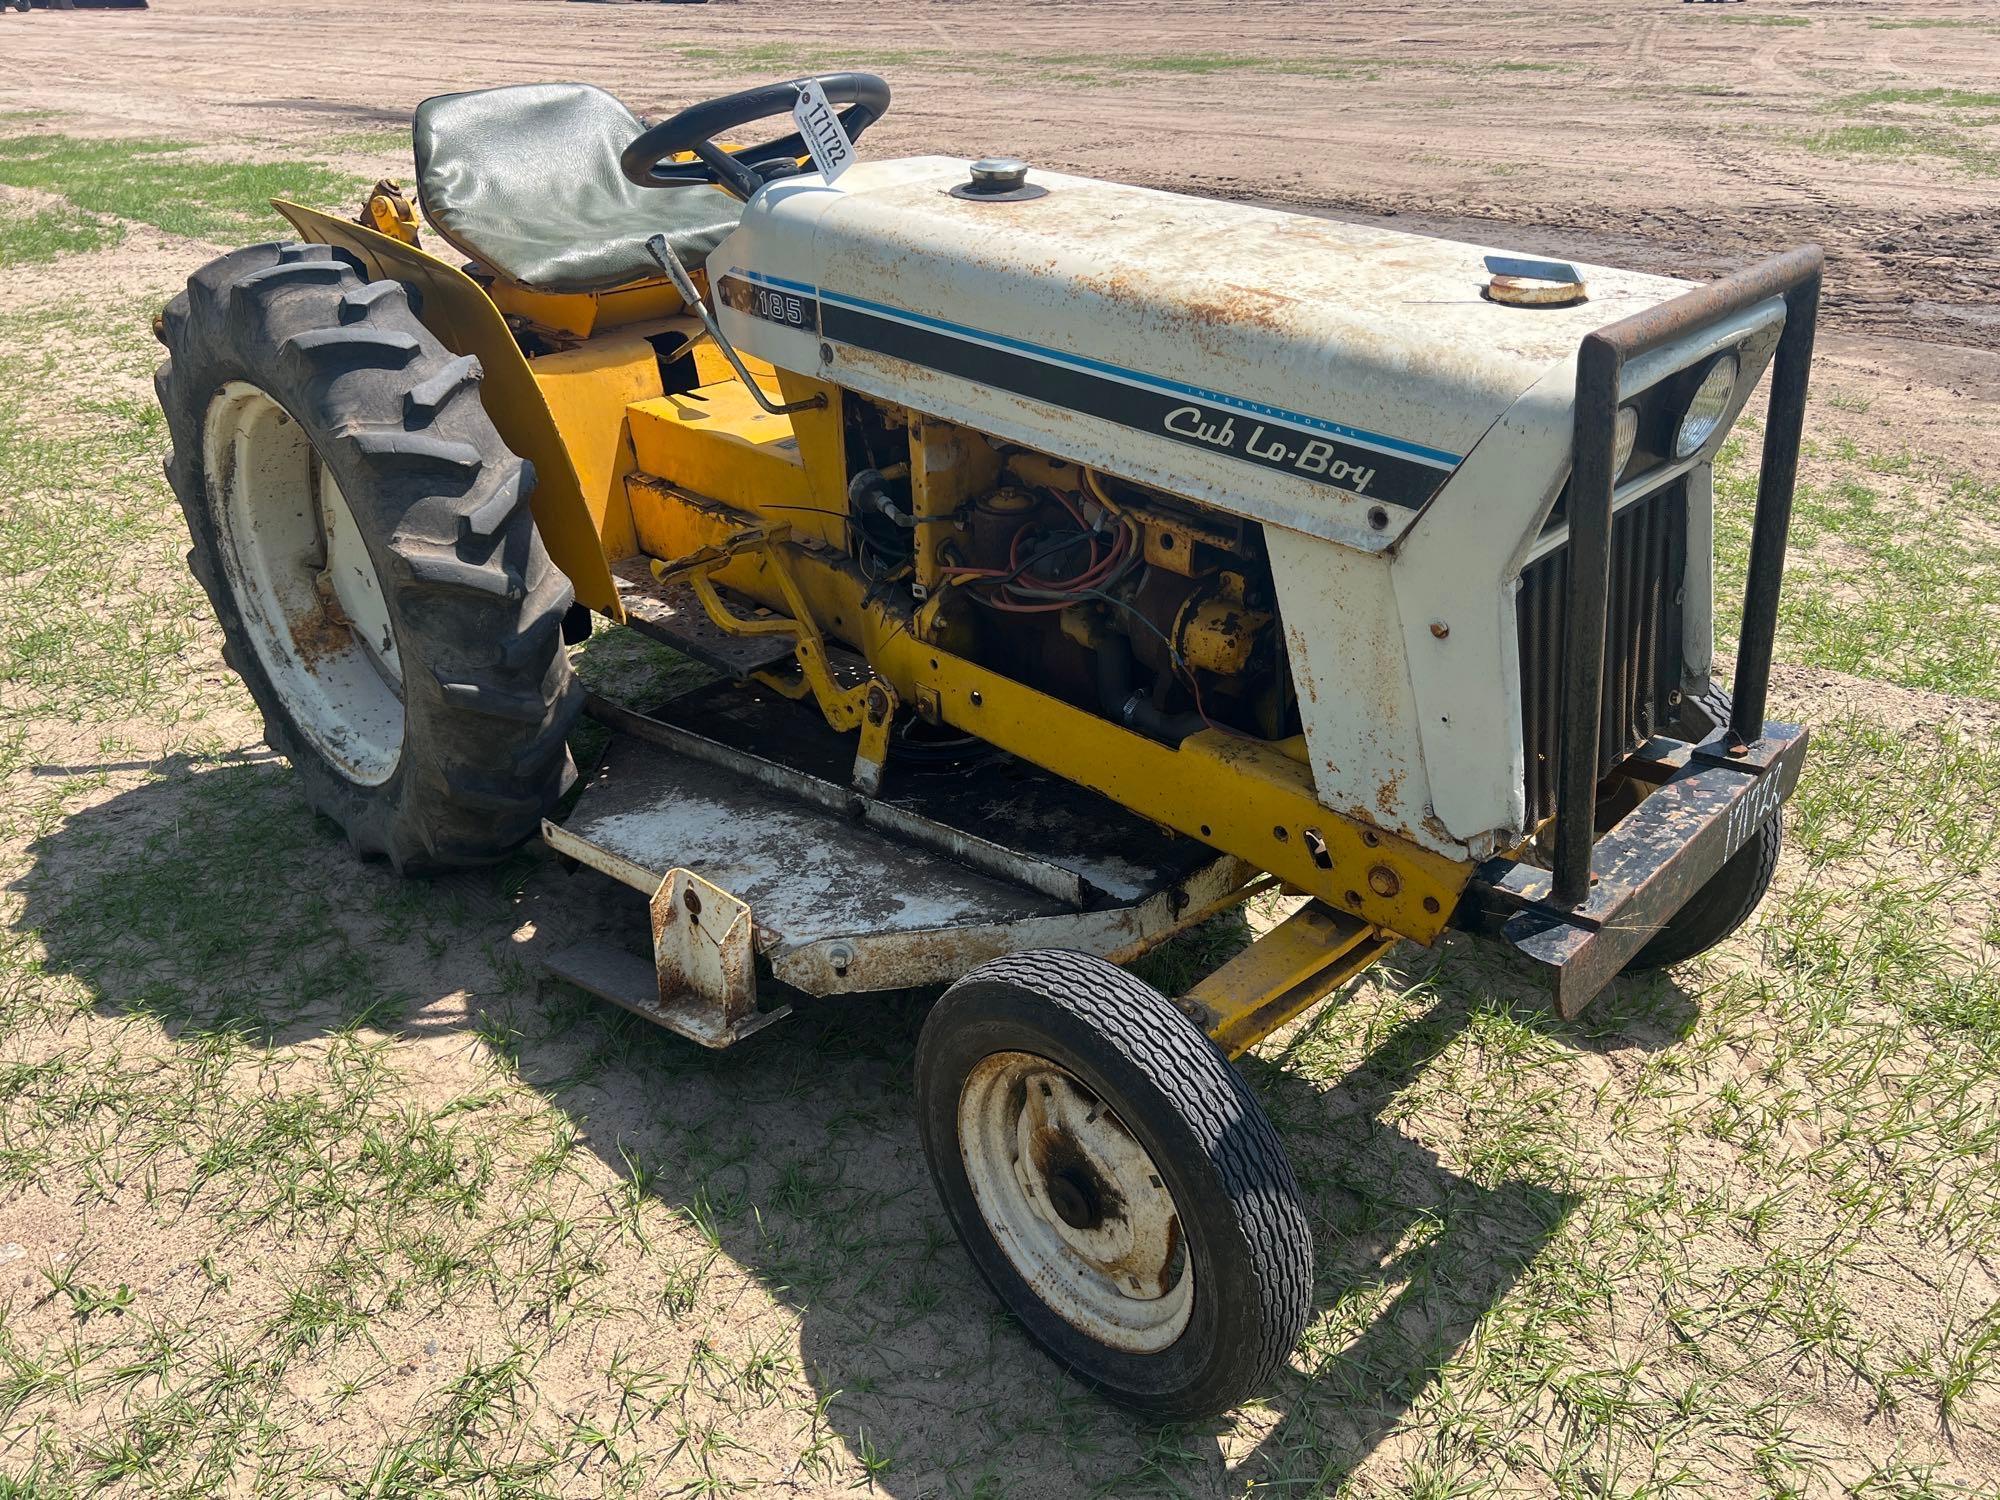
<point>999,179</point>
<point>1520,282</point>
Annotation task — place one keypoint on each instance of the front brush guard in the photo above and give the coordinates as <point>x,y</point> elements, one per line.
<point>1600,365</point>
<point>1709,799</point>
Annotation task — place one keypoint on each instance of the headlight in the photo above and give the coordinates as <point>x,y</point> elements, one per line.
<point>1628,435</point>
<point>1704,412</point>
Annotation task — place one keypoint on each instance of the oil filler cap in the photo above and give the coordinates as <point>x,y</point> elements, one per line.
<point>999,179</point>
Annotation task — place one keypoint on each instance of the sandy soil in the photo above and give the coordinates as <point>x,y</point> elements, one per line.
<point>1674,138</point>
<point>1668,136</point>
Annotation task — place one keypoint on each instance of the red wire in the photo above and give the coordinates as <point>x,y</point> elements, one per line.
<point>1101,568</point>
<point>1047,607</point>
<point>1104,566</point>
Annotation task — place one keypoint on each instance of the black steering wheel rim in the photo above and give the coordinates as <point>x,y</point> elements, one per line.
<point>648,161</point>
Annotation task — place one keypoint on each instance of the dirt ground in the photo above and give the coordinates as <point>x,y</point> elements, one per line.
<point>1678,138</point>
<point>310,1183</point>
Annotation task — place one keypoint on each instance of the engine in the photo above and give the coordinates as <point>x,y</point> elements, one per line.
<point>1108,594</point>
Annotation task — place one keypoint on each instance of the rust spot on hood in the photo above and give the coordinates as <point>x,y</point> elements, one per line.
<point>1387,793</point>
<point>1231,305</point>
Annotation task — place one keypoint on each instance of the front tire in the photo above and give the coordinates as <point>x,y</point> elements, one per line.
<point>364,536</point>
<point>1115,1182</point>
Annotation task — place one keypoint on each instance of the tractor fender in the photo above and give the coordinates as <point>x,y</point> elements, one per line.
<point>457,310</point>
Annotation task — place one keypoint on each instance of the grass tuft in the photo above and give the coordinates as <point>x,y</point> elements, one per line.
<point>167,184</point>
<point>42,234</point>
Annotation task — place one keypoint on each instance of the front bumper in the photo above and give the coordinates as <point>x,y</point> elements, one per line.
<point>1709,799</point>
<point>1601,899</point>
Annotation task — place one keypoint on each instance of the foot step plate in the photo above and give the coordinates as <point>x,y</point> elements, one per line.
<point>672,615</point>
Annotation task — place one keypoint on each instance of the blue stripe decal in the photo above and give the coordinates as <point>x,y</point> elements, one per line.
<point>778,281</point>
<point>1433,456</point>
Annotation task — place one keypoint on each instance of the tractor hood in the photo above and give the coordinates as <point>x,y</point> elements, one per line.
<point>1322,376</point>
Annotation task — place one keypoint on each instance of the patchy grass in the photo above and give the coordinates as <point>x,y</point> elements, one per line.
<point>793,57</point>
<point>166,183</point>
<point>1867,140</point>
<point>1085,68</point>
<point>1111,67</point>
<point>390,140</point>
<point>1934,98</point>
<point>41,234</point>
<point>1178,62</point>
<point>1902,142</point>
<point>1934,23</point>
<point>105,626</point>
<point>1893,573</point>
<point>566,1250</point>
<point>790,56</point>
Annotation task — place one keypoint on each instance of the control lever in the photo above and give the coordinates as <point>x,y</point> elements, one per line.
<point>684,284</point>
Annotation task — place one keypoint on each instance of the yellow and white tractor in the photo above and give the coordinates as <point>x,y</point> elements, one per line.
<point>1075,561</point>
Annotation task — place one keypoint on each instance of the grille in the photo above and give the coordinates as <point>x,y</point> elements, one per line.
<point>1642,641</point>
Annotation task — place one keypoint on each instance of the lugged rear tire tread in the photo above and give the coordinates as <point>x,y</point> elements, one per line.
<point>489,698</point>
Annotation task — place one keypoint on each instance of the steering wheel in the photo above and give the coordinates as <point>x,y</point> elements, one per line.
<point>649,161</point>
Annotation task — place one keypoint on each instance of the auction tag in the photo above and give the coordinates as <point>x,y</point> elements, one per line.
<point>832,152</point>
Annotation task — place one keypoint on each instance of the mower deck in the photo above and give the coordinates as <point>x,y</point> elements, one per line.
<point>765,861</point>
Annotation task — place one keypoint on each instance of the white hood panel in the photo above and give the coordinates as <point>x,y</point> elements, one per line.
<point>1321,376</point>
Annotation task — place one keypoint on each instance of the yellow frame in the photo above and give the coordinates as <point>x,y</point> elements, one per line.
<point>581,314</point>
<point>1249,798</point>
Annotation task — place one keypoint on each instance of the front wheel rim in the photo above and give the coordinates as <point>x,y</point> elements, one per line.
<point>1075,1203</point>
<point>304,583</point>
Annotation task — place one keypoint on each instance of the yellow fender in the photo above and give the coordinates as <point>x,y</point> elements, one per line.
<point>455,308</point>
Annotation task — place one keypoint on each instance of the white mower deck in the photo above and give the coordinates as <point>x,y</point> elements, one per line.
<point>769,863</point>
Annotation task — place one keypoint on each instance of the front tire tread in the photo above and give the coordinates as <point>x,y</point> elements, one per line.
<point>1261,1209</point>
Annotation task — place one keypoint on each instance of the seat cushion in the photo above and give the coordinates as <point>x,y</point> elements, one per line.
<point>526,181</point>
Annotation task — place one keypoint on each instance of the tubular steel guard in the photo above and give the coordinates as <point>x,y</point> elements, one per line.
<point>1601,360</point>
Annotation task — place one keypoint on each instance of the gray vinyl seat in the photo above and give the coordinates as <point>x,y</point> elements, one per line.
<point>526,181</point>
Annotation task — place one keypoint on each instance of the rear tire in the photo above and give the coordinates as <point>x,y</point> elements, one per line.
<point>297,395</point>
<point>1715,911</point>
<point>1115,1182</point>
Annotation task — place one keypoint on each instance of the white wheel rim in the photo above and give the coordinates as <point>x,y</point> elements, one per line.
<point>1075,1203</point>
<point>304,583</point>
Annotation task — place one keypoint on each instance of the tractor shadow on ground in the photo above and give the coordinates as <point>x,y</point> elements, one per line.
<point>210,900</point>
